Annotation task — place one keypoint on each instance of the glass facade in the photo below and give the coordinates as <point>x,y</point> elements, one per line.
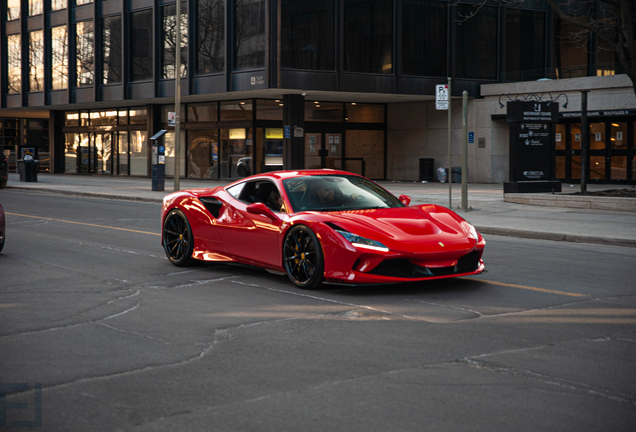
<point>250,40</point>
<point>111,50</point>
<point>477,36</point>
<point>14,64</point>
<point>210,40</point>
<point>169,38</point>
<point>13,10</point>
<point>140,46</point>
<point>59,58</point>
<point>35,7</point>
<point>59,4</point>
<point>569,55</point>
<point>36,61</point>
<point>368,36</point>
<point>307,34</point>
<point>424,34</point>
<point>525,45</point>
<point>84,53</point>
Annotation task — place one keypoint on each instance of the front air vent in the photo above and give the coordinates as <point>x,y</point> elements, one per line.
<point>213,205</point>
<point>468,263</point>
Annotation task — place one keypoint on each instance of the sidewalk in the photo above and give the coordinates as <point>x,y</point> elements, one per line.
<point>487,209</point>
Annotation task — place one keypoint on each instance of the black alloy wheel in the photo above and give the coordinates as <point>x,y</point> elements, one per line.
<point>302,257</point>
<point>178,241</point>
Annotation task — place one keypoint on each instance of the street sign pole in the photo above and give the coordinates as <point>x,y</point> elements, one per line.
<point>450,183</point>
<point>177,101</point>
<point>464,150</point>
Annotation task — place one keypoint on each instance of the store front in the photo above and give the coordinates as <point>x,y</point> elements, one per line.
<point>612,147</point>
<point>226,140</point>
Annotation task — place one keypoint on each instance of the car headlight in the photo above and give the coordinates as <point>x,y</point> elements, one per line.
<point>362,242</point>
<point>470,230</point>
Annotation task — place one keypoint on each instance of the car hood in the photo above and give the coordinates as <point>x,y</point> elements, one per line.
<point>407,228</point>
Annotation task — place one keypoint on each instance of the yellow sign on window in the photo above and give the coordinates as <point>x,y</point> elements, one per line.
<point>237,133</point>
<point>274,133</point>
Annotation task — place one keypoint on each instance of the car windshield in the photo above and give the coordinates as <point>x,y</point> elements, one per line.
<point>337,193</point>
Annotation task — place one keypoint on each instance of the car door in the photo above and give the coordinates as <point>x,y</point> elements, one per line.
<point>253,238</point>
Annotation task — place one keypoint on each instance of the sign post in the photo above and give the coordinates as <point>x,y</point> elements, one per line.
<point>442,102</point>
<point>464,150</point>
<point>177,100</point>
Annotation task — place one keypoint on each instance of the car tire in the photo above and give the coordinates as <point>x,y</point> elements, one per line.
<point>303,258</point>
<point>178,241</point>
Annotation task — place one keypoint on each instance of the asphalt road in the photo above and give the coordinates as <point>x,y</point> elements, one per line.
<point>121,340</point>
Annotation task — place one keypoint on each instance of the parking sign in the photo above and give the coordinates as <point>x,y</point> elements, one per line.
<point>441,97</point>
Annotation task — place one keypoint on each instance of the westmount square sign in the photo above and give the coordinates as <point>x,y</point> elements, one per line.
<point>608,113</point>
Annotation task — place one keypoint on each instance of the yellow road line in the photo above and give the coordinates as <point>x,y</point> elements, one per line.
<point>86,224</point>
<point>530,288</point>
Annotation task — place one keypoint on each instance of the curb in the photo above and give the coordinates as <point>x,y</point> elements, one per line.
<point>89,194</point>
<point>507,232</point>
<point>573,201</point>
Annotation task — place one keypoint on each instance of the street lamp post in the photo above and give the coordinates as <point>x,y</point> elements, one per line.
<point>177,101</point>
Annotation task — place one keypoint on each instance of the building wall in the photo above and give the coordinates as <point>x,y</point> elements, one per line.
<point>417,130</point>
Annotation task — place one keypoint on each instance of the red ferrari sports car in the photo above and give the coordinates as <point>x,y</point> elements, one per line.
<point>320,226</point>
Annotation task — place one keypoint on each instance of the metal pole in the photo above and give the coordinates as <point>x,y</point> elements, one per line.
<point>585,142</point>
<point>449,176</point>
<point>177,101</point>
<point>465,150</point>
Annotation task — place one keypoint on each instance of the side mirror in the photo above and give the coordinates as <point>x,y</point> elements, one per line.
<point>405,199</point>
<point>262,209</point>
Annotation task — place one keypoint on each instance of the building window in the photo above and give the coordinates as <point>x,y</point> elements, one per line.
<point>111,50</point>
<point>82,2</point>
<point>36,61</point>
<point>250,34</point>
<point>13,10</point>
<point>368,36</point>
<point>308,34</point>
<point>14,64</point>
<point>476,42</point>
<point>59,4</point>
<point>205,112</point>
<point>140,46</point>
<point>525,45</point>
<point>424,27</point>
<point>210,36</point>
<point>236,110</point>
<point>35,7</point>
<point>169,38</point>
<point>569,51</point>
<point>59,58</point>
<point>84,53</point>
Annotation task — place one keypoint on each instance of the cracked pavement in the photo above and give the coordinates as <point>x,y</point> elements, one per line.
<point>123,341</point>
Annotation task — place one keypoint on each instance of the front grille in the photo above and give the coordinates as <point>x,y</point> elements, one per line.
<point>402,268</point>
<point>468,263</point>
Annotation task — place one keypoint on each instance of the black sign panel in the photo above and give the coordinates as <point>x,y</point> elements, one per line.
<point>536,112</point>
<point>530,151</point>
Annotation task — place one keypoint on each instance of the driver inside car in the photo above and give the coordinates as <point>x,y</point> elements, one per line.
<point>326,195</point>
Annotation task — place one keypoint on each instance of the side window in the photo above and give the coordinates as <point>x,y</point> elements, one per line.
<point>235,191</point>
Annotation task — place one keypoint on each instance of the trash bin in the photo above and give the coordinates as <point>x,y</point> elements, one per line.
<point>28,168</point>
<point>456,174</point>
<point>427,169</point>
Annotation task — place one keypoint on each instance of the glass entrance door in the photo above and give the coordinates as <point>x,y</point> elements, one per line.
<point>610,156</point>
<point>103,162</point>
<point>323,150</point>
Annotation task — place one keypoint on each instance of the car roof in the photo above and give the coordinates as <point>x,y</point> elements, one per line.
<point>284,175</point>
